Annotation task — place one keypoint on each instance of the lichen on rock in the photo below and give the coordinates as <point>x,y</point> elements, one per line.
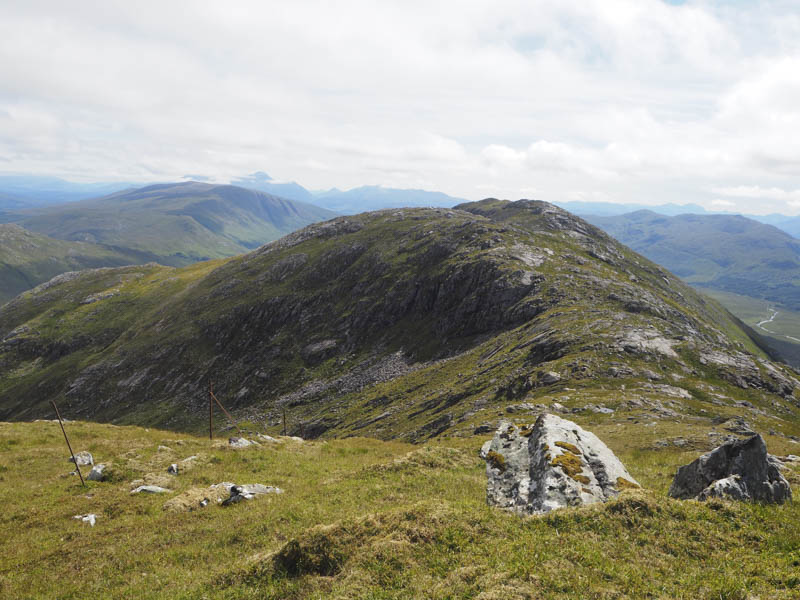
<point>551,464</point>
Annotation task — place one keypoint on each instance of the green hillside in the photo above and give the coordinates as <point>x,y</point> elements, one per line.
<point>28,259</point>
<point>724,252</point>
<point>408,324</point>
<point>177,223</point>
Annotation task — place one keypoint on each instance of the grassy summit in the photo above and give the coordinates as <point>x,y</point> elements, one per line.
<point>361,518</point>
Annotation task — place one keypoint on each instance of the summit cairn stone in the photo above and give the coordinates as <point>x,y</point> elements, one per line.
<point>551,464</point>
<point>736,470</point>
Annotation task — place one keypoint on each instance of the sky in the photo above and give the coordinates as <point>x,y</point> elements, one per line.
<point>594,100</point>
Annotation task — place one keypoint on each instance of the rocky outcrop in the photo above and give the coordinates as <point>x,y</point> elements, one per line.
<point>737,470</point>
<point>551,464</point>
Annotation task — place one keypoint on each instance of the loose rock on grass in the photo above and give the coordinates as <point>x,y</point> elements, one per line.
<point>736,470</point>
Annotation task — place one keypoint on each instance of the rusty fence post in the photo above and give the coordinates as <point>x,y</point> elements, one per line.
<point>66,439</point>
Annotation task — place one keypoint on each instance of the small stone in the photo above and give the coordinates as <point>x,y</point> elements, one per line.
<point>83,459</point>
<point>240,442</point>
<point>150,489</point>
<point>481,429</point>
<point>238,493</point>
<point>173,469</point>
<point>90,518</point>
<point>484,451</point>
<point>97,474</point>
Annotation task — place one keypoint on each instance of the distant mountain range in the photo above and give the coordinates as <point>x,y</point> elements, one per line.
<point>373,197</point>
<point>726,252</point>
<point>790,225</point>
<point>21,192</point>
<point>172,224</point>
<point>25,191</point>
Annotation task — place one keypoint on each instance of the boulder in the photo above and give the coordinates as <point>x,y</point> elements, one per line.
<point>97,473</point>
<point>551,464</point>
<point>738,470</point>
<point>549,378</point>
<point>83,459</point>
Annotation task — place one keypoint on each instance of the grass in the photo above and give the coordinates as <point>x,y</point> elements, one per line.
<point>361,518</point>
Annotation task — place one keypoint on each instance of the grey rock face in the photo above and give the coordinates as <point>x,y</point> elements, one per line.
<point>739,470</point>
<point>83,458</point>
<point>552,464</point>
<point>97,474</point>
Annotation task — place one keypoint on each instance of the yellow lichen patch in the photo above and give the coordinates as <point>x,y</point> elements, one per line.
<point>571,465</point>
<point>624,484</point>
<point>569,447</point>
<point>525,432</point>
<point>497,460</point>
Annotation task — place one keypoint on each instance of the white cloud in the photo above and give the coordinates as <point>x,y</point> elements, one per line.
<point>722,204</point>
<point>629,100</point>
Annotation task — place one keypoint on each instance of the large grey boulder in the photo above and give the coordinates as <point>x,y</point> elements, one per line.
<point>551,464</point>
<point>737,470</point>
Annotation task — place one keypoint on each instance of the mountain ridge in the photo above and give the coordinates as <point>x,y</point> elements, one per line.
<point>176,223</point>
<point>407,323</point>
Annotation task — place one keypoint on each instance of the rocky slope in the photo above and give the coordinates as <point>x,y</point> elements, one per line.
<point>407,323</point>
